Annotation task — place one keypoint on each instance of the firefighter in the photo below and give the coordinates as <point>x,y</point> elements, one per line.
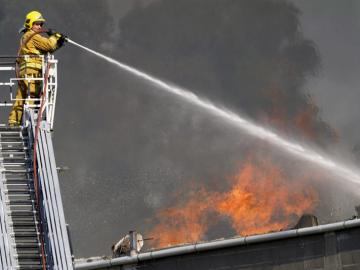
<point>32,43</point>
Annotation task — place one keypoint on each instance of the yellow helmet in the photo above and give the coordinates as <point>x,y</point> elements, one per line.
<point>31,17</point>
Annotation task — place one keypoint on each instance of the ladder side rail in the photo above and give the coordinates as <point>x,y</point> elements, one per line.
<point>8,260</point>
<point>50,189</point>
<point>50,223</point>
<point>44,215</point>
<point>47,190</point>
<point>51,92</point>
<point>55,86</point>
<point>57,201</point>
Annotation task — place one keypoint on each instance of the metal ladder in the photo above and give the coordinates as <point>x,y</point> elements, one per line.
<point>20,246</point>
<point>15,157</point>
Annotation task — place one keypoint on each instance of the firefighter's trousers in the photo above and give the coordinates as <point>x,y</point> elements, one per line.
<point>27,88</point>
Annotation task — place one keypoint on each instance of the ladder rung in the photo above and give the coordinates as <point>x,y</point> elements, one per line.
<point>26,245</point>
<point>28,190</point>
<point>20,177</point>
<point>30,250</point>
<point>28,266</point>
<point>11,140</point>
<point>18,171</point>
<point>19,196</point>
<point>24,234</point>
<point>13,152</point>
<point>28,223</point>
<point>13,178</point>
<point>21,213</point>
<point>17,184</point>
<point>24,207</point>
<point>28,256</point>
<point>9,129</point>
<point>17,202</point>
<point>27,229</point>
<point>21,220</point>
<point>10,132</point>
<point>27,240</point>
<point>13,155</point>
<point>17,149</point>
<point>33,264</point>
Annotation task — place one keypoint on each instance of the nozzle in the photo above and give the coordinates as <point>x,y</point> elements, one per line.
<point>52,32</point>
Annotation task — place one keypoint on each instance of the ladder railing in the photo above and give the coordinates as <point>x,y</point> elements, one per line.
<point>49,67</point>
<point>56,236</point>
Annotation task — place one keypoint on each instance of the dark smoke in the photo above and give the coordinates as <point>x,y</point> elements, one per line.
<point>250,56</point>
<point>128,146</point>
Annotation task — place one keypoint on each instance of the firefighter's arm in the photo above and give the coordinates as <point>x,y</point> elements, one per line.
<point>45,44</point>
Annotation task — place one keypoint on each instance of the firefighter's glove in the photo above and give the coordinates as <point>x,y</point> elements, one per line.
<point>61,38</point>
<point>50,32</point>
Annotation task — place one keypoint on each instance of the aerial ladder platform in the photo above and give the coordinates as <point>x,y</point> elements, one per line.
<point>33,230</point>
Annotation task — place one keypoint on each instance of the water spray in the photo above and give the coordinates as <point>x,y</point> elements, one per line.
<point>236,120</point>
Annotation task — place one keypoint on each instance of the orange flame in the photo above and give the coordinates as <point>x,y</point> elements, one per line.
<point>186,223</point>
<point>261,199</point>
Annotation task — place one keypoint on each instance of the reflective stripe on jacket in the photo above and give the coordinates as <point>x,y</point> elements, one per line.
<point>35,44</point>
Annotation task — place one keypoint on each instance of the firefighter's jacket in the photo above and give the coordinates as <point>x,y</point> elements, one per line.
<point>34,44</point>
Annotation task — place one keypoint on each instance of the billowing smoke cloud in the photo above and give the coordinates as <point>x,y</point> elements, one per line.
<point>250,56</point>
<point>130,147</point>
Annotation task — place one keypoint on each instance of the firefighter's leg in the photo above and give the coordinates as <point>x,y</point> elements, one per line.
<point>18,107</point>
<point>34,91</point>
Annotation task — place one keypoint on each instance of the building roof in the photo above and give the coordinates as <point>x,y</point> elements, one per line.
<point>244,242</point>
